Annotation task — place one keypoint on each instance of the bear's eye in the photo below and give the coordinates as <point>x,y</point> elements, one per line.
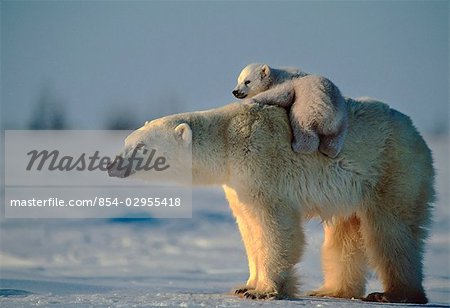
<point>247,82</point>
<point>140,145</point>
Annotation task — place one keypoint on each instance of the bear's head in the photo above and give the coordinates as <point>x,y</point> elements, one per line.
<point>253,79</point>
<point>161,150</point>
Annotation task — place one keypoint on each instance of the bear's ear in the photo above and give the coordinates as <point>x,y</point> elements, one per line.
<point>265,71</point>
<point>183,133</point>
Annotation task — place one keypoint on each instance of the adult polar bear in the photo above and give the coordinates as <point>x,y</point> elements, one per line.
<point>375,197</point>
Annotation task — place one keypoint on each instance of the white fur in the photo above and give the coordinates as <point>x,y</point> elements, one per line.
<point>317,109</point>
<point>374,199</point>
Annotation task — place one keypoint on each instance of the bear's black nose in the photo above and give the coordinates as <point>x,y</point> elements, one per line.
<point>235,92</point>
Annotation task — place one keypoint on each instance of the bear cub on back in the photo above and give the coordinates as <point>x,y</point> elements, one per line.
<point>318,112</point>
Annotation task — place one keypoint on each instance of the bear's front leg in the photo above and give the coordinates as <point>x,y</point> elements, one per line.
<point>244,221</point>
<point>282,96</point>
<point>278,242</point>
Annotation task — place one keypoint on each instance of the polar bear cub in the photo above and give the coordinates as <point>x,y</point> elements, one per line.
<point>318,112</point>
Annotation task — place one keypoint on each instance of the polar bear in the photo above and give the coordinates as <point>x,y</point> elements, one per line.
<point>317,109</point>
<point>374,198</point>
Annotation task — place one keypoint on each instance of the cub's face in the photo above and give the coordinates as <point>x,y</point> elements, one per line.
<point>253,79</point>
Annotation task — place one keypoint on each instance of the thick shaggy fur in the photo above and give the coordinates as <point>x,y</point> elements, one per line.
<point>374,198</point>
<point>318,111</point>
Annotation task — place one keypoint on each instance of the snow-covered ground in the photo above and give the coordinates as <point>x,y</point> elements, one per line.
<point>175,262</point>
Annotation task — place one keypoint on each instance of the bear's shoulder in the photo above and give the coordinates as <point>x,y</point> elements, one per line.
<point>283,74</point>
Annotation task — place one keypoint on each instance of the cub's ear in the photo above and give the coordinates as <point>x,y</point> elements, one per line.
<point>265,71</point>
<point>183,133</point>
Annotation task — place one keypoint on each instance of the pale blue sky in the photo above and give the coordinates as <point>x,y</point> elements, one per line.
<point>98,57</point>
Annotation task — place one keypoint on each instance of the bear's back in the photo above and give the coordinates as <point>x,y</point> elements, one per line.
<point>378,139</point>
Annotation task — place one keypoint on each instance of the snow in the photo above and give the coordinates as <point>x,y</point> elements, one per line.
<point>175,262</point>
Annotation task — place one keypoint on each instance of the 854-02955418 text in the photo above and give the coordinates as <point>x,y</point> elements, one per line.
<point>99,202</point>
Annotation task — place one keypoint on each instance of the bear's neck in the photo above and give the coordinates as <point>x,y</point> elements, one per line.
<point>209,149</point>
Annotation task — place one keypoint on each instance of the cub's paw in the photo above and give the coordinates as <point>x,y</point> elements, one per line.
<point>260,295</point>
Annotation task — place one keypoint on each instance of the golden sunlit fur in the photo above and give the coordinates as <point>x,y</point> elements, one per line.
<point>374,197</point>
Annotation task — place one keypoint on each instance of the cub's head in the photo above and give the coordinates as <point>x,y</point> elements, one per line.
<point>158,151</point>
<point>253,79</point>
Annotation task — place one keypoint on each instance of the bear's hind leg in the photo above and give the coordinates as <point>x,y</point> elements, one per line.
<point>343,260</point>
<point>331,145</point>
<point>333,137</point>
<point>396,255</point>
<point>305,140</point>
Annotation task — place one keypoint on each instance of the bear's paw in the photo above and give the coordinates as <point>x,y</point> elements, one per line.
<point>260,295</point>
